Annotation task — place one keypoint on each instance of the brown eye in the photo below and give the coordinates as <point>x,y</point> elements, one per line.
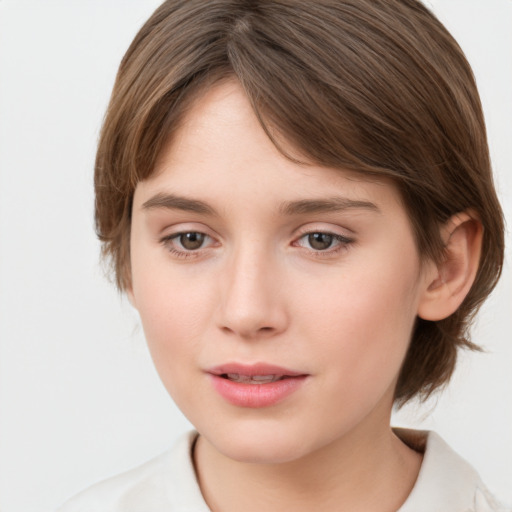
<point>320,241</point>
<point>191,241</point>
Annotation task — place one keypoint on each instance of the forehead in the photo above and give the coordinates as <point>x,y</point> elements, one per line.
<point>220,150</point>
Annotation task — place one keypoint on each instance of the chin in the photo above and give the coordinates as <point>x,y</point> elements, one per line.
<point>259,444</point>
<point>261,453</point>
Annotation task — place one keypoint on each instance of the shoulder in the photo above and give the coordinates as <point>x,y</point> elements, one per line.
<point>166,482</point>
<point>446,481</point>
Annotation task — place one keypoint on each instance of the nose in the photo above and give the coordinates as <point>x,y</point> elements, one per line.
<point>252,299</point>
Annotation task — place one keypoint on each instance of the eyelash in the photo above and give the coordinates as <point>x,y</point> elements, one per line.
<point>343,243</point>
<point>168,242</point>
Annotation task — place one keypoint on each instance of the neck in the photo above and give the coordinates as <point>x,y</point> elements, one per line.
<point>361,471</point>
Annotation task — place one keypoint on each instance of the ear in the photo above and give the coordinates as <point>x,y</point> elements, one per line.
<point>449,282</point>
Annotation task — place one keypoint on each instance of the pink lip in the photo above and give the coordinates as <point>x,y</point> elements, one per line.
<point>255,395</point>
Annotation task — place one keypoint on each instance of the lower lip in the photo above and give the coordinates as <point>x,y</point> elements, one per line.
<point>256,395</point>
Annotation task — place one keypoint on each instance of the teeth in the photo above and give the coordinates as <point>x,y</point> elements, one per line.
<point>264,378</point>
<point>254,379</point>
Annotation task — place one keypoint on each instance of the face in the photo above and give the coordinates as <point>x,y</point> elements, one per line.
<point>277,299</point>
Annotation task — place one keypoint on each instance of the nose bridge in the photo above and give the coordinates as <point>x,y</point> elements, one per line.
<point>251,304</point>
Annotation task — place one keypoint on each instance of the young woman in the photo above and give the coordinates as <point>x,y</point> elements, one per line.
<point>297,198</point>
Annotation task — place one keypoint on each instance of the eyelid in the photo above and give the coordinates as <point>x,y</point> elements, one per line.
<point>340,238</point>
<point>167,240</point>
<point>327,228</point>
<point>344,240</point>
<point>178,234</point>
<point>178,228</point>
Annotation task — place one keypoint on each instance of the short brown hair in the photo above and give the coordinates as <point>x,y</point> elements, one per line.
<point>374,86</point>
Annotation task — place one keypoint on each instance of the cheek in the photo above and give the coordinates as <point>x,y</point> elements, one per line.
<point>173,326</point>
<point>171,312</point>
<point>173,308</point>
<point>363,322</point>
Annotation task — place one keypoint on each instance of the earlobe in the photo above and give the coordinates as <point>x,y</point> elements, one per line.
<point>449,282</point>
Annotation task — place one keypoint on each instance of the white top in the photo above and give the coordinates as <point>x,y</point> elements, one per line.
<point>167,483</point>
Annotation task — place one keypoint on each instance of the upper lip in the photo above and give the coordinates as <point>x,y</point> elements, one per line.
<point>251,370</point>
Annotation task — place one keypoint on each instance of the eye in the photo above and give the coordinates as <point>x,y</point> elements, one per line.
<point>190,241</point>
<point>187,243</point>
<point>320,241</point>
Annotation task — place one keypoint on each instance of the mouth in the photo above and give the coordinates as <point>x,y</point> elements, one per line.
<point>255,386</point>
<point>259,373</point>
<point>252,379</point>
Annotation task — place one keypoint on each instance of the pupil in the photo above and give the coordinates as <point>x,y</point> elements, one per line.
<point>320,241</point>
<point>192,241</point>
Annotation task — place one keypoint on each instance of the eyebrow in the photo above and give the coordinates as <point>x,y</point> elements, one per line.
<point>333,204</point>
<point>289,208</point>
<point>173,202</point>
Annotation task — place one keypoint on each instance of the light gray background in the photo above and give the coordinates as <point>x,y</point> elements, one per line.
<point>79,397</point>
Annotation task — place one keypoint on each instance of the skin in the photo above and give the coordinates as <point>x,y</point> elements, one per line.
<point>256,290</point>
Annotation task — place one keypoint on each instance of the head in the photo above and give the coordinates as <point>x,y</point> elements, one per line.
<point>375,88</point>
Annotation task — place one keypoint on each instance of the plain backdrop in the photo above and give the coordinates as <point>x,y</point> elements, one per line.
<point>79,398</point>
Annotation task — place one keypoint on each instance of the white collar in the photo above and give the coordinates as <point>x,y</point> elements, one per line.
<point>446,481</point>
